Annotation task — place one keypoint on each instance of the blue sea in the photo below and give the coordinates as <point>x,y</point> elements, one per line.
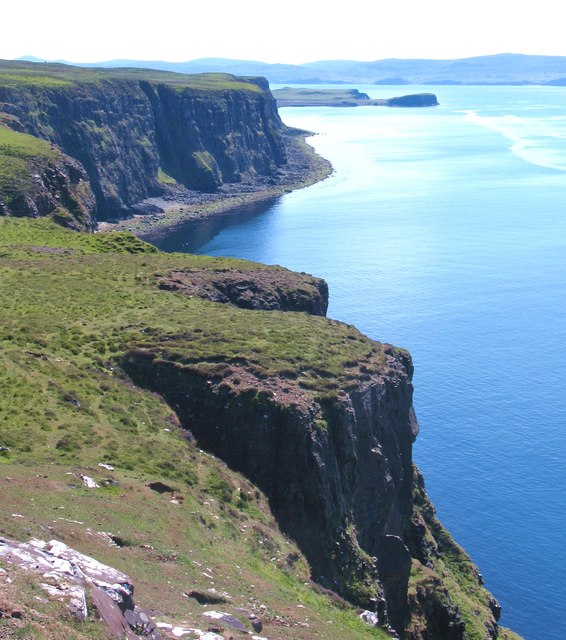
<point>443,230</point>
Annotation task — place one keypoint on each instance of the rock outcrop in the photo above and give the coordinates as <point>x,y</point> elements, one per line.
<point>414,100</point>
<point>261,289</point>
<point>66,574</point>
<point>134,133</point>
<point>37,179</point>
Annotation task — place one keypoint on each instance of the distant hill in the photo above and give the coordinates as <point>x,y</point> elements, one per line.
<point>504,68</point>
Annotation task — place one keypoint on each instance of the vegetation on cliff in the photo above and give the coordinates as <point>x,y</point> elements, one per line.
<point>103,361</point>
<point>37,179</point>
<point>135,132</point>
<point>14,73</point>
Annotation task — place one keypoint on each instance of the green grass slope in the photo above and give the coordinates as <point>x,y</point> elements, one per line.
<point>72,304</point>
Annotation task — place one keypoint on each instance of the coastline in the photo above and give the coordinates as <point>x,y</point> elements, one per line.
<point>179,205</point>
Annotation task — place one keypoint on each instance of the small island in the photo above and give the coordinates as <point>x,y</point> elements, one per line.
<point>307,97</point>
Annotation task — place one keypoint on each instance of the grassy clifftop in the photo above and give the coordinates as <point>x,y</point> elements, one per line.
<point>123,307</point>
<point>28,74</point>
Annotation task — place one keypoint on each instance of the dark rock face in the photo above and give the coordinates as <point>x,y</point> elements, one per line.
<point>59,188</point>
<point>338,471</point>
<point>394,564</point>
<point>124,131</point>
<point>222,136</point>
<point>106,126</point>
<point>254,289</point>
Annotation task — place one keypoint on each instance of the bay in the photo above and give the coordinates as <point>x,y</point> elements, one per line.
<point>443,230</point>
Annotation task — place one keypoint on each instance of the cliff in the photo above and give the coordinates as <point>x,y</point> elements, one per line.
<point>337,469</point>
<point>37,179</point>
<point>134,133</point>
<point>263,457</point>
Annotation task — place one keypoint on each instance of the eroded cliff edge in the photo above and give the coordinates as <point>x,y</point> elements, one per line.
<point>137,133</point>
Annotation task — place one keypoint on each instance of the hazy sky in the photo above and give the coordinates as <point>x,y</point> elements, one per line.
<point>292,31</point>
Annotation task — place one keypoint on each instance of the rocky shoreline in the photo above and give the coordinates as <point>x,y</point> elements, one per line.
<point>180,205</point>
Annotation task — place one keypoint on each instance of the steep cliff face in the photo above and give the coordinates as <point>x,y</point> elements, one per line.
<point>336,465</point>
<point>338,472</point>
<point>106,126</point>
<point>223,136</point>
<point>124,128</point>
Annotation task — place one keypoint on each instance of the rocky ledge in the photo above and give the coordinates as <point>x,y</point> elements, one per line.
<point>258,289</point>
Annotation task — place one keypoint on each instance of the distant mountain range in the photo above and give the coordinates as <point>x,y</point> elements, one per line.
<point>504,68</point>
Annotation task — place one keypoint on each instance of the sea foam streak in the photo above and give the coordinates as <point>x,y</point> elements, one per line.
<point>540,141</point>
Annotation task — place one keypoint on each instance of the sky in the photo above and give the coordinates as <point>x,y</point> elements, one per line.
<point>291,32</point>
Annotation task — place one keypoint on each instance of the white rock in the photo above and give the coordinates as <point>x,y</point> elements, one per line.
<point>217,615</point>
<point>370,618</point>
<point>179,632</point>
<point>89,482</point>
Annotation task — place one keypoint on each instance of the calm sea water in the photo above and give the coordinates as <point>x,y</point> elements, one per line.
<point>444,231</point>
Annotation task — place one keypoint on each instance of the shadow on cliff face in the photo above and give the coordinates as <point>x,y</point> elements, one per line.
<point>337,470</point>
